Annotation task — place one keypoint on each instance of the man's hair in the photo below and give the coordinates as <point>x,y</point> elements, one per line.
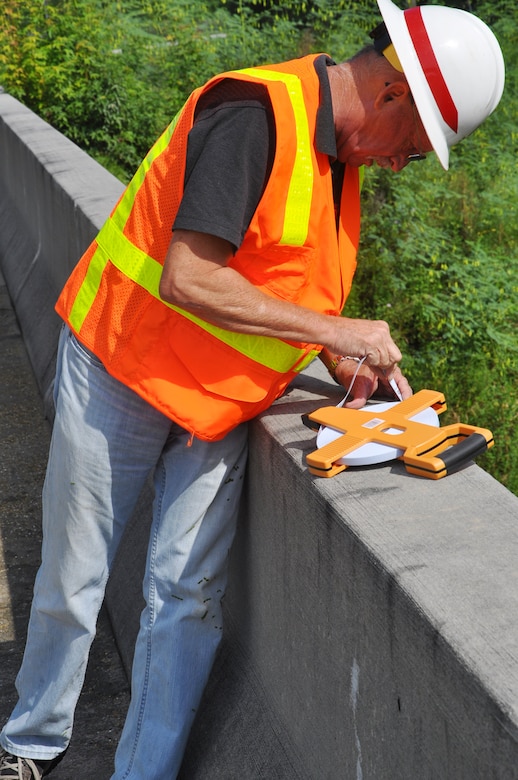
<point>367,49</point>
<point>374,61</point>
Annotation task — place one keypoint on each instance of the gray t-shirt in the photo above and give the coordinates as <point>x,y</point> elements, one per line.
<point>229,159</point>
<point>230,154</point>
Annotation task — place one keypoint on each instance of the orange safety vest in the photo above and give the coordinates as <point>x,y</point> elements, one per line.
<point>206,378</point>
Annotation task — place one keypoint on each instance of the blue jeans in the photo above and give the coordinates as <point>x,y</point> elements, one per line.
<point>106,441</point>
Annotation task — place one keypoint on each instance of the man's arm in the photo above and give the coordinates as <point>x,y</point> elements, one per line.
<point>197,278</point>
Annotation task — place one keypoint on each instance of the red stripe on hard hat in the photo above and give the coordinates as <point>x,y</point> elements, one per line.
<point>430,66</point>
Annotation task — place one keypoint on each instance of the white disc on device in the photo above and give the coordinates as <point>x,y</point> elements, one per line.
<point>371,453</point>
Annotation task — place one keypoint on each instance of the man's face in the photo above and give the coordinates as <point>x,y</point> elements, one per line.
<point>388,137</point>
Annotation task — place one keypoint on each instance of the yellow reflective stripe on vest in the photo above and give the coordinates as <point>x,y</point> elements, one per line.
<point>90,285</point>
<point>87,292</point>
<point>146,272</point>
<point>298,202</point>
<point>125,205</point>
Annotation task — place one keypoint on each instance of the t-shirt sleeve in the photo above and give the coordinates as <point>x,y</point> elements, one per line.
<point>227,167</point>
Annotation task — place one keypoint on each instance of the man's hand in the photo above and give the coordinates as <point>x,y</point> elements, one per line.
<point>369,383</point>
<point>370,339</point>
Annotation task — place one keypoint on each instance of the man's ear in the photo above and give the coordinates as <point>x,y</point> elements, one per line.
<point>393,90</point>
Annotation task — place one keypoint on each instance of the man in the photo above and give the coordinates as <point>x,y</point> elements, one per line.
<point>171,345</point>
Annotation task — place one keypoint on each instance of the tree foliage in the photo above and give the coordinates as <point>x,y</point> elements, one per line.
<point>438,252</point>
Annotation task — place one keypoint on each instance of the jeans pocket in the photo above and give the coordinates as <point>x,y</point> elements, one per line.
<point>86,353</point>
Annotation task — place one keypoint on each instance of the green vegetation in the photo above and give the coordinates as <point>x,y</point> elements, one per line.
<point>438,255</point>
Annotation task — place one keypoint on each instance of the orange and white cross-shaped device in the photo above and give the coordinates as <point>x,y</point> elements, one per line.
<point>428,451</point>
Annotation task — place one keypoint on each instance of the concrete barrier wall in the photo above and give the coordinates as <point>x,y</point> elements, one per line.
<point>53,198</point>
<point>370,619</point>
<point>377,611</point>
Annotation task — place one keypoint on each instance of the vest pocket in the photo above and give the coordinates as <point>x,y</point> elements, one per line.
<point>282,270</point>
<point>217,367</point>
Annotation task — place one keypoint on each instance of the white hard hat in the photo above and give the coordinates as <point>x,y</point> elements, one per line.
<point>453,65</point>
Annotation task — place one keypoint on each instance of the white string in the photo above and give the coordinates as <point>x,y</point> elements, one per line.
<point>360,362</point>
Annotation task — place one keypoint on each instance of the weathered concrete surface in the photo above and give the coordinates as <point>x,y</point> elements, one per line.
<point>376,613</point>
<point>53,198</point>
<point>24,440</point>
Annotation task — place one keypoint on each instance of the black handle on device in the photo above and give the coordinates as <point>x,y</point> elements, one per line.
<point>473,445</point>
<point>311,424</point>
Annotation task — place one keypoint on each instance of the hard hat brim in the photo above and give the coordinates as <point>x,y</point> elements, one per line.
<point>402,42</point>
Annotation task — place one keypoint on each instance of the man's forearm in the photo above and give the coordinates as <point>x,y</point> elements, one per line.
<point>196,277</point>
